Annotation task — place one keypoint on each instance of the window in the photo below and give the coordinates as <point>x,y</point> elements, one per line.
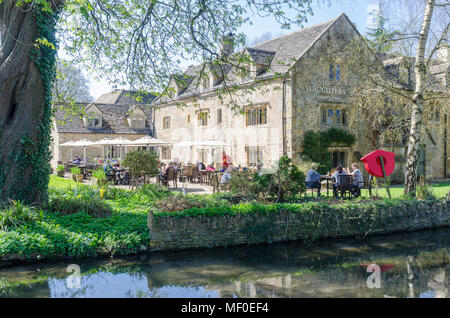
<point>256,116</point>
<point>188,119</point>
<point>202,155</point>
<point>136,122</point>
<point>338,158</point>
<point>219,116</point>
<point>254,155</point>
<point>166,122</point>
<point>165,153</point>
<point>203,119</point>
<point>334,72</point>
<point>334,116</point>
<point>93,121</point>
<point>205,83</point>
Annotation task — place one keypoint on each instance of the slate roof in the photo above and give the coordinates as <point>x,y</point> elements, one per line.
<point>125,97</point>
<point>114,118</point>
<point>279,54</point>
<point>437,79</point>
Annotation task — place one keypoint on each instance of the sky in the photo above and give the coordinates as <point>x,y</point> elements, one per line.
<point>356,10</point>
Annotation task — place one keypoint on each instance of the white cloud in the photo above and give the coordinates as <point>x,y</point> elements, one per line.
<point>374,10</point>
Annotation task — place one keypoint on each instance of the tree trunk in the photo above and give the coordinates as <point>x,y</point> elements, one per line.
<point>24,108</point>
<point>416,117</point>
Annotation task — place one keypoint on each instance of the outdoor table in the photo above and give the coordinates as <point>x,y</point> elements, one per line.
<point>328,179</point>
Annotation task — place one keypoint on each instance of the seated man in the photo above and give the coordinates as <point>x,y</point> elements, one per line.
<point>226,177</point>
<point>313,178</point>
<point>358,181</point>
<point>339,172</point>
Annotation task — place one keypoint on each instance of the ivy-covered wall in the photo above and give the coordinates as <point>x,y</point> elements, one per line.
<point>256,224</point>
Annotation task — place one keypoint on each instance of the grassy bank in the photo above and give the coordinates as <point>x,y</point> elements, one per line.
<point>72,227</point>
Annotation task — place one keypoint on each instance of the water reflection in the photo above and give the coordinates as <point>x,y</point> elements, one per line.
<point>412,265</point>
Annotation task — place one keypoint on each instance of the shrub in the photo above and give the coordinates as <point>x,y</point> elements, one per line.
<point>141,161</point>
<point>60,168</point>
<point>287,182</point>
<point>88,203</point>
<point>75,170</point>
<point>15,213</point>
<point>424,190</point>
<point>176,203</point>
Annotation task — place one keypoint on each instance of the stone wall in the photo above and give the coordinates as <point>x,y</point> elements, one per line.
<point>178,232</point>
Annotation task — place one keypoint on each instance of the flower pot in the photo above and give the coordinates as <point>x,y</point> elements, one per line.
<point>60,173</point>
<point>79,177</point>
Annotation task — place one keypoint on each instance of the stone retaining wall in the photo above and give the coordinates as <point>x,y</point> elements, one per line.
<point>180,232</point>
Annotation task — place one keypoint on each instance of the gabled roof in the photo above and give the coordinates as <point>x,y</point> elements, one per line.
<point>114,119</point>
<point>260,57</point>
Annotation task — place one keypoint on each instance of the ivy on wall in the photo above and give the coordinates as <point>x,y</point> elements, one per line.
<point>316,143</point>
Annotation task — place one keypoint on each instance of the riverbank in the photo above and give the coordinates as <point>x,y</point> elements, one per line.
<point>84,222</point>
<point>273,223</point>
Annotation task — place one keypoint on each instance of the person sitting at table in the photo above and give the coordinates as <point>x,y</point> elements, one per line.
<point>77,160</point>
<point>126,178</point>
<point>211,167</point>
<point>358,181</point>
<point>226,177</point>
<point>312,180</point>
<point>164,176</point>
<point>201,166</point>
<point>339,172</point>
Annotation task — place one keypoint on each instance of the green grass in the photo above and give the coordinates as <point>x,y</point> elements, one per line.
<point>58,183</point>
<point>124,231</point>
<point>440,190</point>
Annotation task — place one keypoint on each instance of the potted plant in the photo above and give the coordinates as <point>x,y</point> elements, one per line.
<point>76,174</point>
<point>99,178</point>
<point>60,171</point>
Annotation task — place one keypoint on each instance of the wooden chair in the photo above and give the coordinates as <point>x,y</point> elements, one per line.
<point>171,176</point>
<point>345,185</point>
<point>365,185</point>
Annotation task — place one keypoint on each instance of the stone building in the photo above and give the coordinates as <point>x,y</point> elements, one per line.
<point>295,83</point>
<point>113,115</point>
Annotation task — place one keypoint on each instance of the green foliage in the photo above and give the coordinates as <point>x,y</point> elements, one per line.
<point>379,38</point>
<point>75,170</point>
<point>141,161</point>
<point>60,168</point>
<point>100,175</point>
<point>424,191</point>
<point>88,202</point>
<point>288,181</point>
<point>316,143</point>
<point>15,213</point>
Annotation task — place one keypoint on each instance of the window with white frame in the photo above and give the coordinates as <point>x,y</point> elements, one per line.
<point>202,155</point>
<point>136,122</point>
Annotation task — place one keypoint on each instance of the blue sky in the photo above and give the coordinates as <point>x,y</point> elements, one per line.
<point>356,10</point>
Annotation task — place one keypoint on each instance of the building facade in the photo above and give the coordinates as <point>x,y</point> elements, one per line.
<point>112,115</point>
<point>296,83</point>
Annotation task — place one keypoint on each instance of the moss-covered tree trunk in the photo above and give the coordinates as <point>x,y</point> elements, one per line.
<point>26,72</point>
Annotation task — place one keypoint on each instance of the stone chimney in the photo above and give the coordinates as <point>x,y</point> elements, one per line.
<point>227,45</point>
<point>443,53</point>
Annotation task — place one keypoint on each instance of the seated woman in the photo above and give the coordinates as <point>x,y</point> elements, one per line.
<point>339,172</point>
<point>358,181</point>
<point>227,175</point>
<point>211,167</point>
<point>313,178</point>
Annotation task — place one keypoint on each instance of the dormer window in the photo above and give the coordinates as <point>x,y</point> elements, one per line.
<point>136,122</point>
<point>93,117</point>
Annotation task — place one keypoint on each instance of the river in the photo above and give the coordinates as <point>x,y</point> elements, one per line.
<point>405,265</point>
